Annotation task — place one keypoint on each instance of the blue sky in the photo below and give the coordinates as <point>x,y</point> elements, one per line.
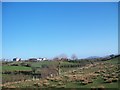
<point>50,29</point>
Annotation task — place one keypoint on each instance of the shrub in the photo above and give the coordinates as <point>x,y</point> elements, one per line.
<point>14,64</point>
<point>108,80</point>
<point>93,88</point>
<point>114,79</point>
<point>36,84</point>
<point>25,64</point>
<point>101,87</point>
<point>46,84</point>
<point>84,82</point>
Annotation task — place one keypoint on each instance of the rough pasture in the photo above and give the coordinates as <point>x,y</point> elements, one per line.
<point>98,75</point>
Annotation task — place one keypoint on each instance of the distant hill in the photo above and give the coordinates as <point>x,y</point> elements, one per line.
<point>93,57</point>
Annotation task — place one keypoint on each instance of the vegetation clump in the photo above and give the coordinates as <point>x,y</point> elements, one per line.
<point>72,74</point>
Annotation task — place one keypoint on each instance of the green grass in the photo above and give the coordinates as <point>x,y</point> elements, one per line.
<point>13,68</point>
<point>67,63</point>
<point>97,83</point>
<point>39,64</point>
<point>113,61</point>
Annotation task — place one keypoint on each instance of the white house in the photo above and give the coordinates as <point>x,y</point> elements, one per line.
<point>17,59</point>
<point>44,59</point>
<point>41,59</point>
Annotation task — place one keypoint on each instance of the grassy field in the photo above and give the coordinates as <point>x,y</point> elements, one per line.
<point>15,68</point>
<point>98,75</point>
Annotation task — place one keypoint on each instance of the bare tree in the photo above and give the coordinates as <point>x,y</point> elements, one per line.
<point>60,57</point>
<point>74,57</point>
<point>56,58</point>
<point>63,57</point>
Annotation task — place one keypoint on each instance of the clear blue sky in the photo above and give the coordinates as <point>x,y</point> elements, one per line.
<point>50,29</point>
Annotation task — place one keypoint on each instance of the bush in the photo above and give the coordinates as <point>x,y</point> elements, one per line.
<point>25,64</point>
<point>14,64</point>
<point>13,78</point>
